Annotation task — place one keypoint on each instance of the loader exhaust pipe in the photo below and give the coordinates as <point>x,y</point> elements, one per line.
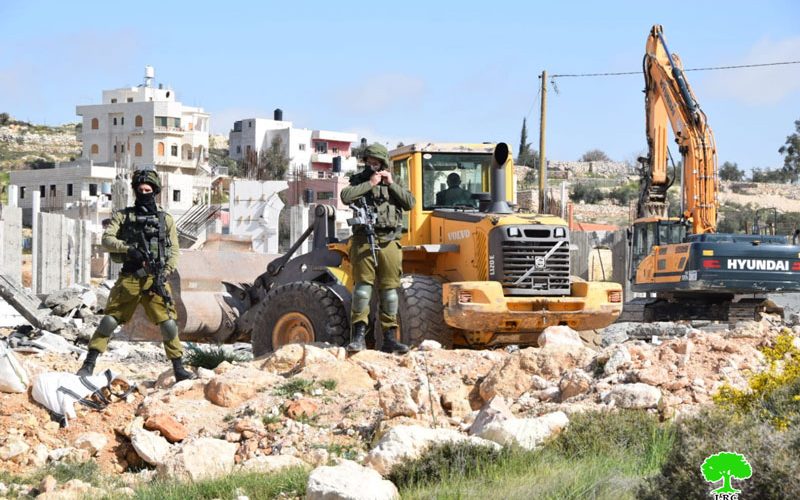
<point>500,162</point>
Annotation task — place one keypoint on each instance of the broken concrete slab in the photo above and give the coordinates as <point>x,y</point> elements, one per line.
<point>27,304</point>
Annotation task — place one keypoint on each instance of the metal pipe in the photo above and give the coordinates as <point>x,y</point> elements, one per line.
<point>500,161</point>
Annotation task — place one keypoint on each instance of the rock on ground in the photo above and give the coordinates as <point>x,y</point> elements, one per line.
<point>201,458</point>
<point>525,433</point>
<point>151,447</point>
<point>408,442</point>
<point>348,481</point>
<point>93,442</point>
<point>271,463</point>
<point>634,396</point>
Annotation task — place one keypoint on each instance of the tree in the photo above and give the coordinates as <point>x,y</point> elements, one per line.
<point>273,162</point>
<point>775,175</point>
<point>526,156</point>
<point>725,465</point>
<point>791,153</point>
<point>4,118</point>
<point>730,172</point>
<point>595,155</point>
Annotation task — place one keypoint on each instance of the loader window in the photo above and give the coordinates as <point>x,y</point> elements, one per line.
<point>471,170</point>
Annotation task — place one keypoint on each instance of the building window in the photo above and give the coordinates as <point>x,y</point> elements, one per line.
<point>95,149</point>
<point>122,148</point>
<point>321,147</point>
<point>161,121</point>
<point>160,149</point>
<point>176,195</point>
<point>325,195</point>
<point>52,190</point>
<point>115,121</point>
<point>115,149</point>
<point>238,150</point>
<point>41,191</point>
<point>21,192</point>
<point>95,124</point>
<point>320,174</point>
<point>138,121</point>
<point>335,151</point>
<point>301,147</point>
<point>113,101</point>
<point>176,122</point>
<point>130,99</point>
<point>173,150</point>
<point>92,189</point>
<point>250,124</point>
<point>191,126</point>
<point>122,121</point>
<point>247,150</point>
<point>69,189</point>
<point>137,149</point>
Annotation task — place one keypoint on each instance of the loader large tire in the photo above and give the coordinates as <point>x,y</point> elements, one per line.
<point>300,312</point>
<point>421,311</point>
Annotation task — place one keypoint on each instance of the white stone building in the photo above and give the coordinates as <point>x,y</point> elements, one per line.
<point>137,127</point>
<point>145,126</point>
<point>310,151</point>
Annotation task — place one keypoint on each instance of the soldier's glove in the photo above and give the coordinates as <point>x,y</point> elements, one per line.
<point>136,255</point>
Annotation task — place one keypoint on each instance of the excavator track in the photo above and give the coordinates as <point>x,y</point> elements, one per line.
<point>646,310</point>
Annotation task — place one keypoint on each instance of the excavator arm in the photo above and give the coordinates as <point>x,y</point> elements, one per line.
<point>669,99</point>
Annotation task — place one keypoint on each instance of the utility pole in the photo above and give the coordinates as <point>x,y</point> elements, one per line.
<point>542,161</point>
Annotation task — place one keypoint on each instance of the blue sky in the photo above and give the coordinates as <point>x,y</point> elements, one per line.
<point>407,71</point>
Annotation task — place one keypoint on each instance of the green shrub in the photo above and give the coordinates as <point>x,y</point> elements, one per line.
<point>210,357</point>
<point>617,434</point>
<point>771,452</point>
<point>444,461</point>
<point>588,193</point>
<point>626,193</point>
<point>773,394</point>
<point>301,385</point>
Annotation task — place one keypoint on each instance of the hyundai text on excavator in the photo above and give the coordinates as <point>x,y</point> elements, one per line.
<point>476,274</point>
<point>693,271</point>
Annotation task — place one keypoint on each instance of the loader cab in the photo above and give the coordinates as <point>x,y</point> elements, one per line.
<point>427,170</point>
<point>653,231</point>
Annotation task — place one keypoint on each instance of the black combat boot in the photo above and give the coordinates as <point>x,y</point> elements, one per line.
<point>181,373</point>
<point>357,340</point>
<point>87,370</point>
<point>390,343</point>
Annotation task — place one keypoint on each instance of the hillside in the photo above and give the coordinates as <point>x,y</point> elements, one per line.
<point>22,144</point>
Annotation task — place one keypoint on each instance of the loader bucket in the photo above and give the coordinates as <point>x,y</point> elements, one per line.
<point>205,311</point>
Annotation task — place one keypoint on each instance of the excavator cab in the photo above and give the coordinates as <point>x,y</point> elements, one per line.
<point>653,231</point>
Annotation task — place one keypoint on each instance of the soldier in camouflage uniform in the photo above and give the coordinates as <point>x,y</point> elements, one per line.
<point>388,199</point>
<point>135,232</point>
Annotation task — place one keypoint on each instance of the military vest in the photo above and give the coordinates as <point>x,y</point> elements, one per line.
<point>145,231</point>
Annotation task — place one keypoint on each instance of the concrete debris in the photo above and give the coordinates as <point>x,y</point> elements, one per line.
<point>151,447</point>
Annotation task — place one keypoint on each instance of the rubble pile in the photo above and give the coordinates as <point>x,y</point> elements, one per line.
<point>314,405</point>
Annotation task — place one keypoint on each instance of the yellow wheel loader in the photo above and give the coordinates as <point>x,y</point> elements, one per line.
<point>476,274</point>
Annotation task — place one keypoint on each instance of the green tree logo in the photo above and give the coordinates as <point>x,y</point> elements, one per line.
<point>725,465</point>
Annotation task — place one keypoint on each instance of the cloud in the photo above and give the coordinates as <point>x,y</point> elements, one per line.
<point>759,86</point>
<point>381,93</point>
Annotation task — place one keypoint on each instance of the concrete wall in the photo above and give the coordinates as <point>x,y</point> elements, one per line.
<point>254,211</point>
<point>11,242</point>
<point>62,253</point>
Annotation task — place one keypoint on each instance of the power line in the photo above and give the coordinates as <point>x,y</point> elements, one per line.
<point>710,68</point>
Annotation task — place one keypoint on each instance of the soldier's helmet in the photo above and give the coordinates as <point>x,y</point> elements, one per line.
<point>379,152</point>
<point>146,177</point>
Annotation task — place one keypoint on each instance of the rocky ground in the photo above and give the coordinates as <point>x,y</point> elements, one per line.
<point>314,404</point>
